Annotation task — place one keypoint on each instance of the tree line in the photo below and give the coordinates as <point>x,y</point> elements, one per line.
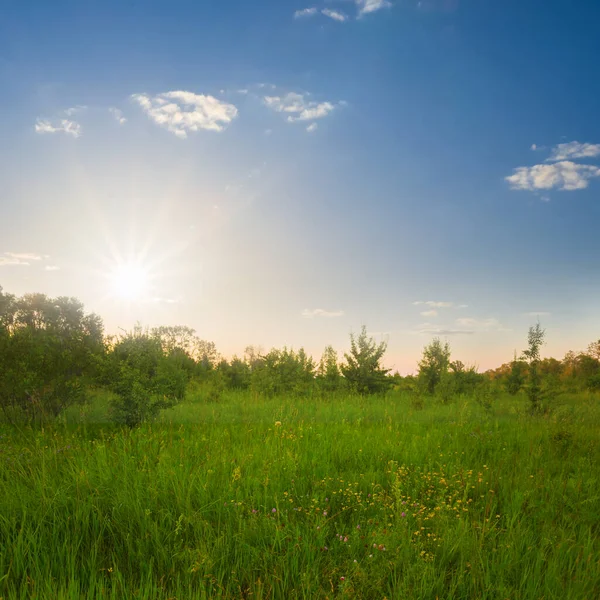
<point>52,353</point>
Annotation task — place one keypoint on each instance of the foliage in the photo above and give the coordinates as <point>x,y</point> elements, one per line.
<point>329,375</point>
<point>433,365</point>
<point>144,379</point>
<point>362,369</point>
<point>283,371</point>
<point>49,349</point>
<point>517,377</point>
<point>533,388</point>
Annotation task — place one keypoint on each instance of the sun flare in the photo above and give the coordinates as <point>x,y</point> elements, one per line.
<point>130,281</point>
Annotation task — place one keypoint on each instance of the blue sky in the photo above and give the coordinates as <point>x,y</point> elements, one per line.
<point>282,172</point>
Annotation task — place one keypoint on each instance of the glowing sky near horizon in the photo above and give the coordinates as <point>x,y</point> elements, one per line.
<point>278,173</point>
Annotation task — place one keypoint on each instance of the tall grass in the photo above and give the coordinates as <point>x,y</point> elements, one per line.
<point>253,498</point>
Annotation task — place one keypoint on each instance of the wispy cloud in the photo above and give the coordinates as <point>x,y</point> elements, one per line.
<point>181,112</point>
<point>369,6</point>
<point>58,126</point>
<point>23,255</point>
<point>462,326</point>
<point>573,150</point>
<point>429,313</point>
<point>52,268</point>
<point>18,258</point>
<point>335,15</point>
<point>298,107</point>
<point>432,329</point>
<point>312,127</point>
<point>540,313</point>
<point>118,115</point>
<point>481,324</point>
<point>434,304</point>
<point>565,175</point>
<point>319,312</point>
<point>305,12</point>
<point>74,110</point>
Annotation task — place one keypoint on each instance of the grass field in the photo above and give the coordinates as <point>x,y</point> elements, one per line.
<point>356,498</point>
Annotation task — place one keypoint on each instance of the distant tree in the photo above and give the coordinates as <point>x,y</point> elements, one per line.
<point>329,375</point>
<point>434,365</point>
<point>144,379</point>
<point>516,378</point>
<point>49,352</point>
<point>594,350</point>
<point>533,388</point>
<point>283,372</point>
<point>362,369</point>
<point>236,374</point>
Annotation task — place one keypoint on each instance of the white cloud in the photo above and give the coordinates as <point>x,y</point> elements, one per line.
<point>533,146</point>
<point>312,127</point>
<point>319,312</point>
<point>74,110</point>
<point>434,304</point>
<point>305,12</point>
<point>463,326</point>
<point>57,126</point>
<point>565,175</point>
<point>335,15</point>
<point>118,115</point>
<point>181,112</point>
<point>23,255</point>
<point>7,260</point>
<point>51,268</point>
<point>429,313</point>
<point>573,150</point>
<point>298,107</point>
<point>268,131</point>
<point>369,6</point>
<point>431,329</point>
<point>481,324</point>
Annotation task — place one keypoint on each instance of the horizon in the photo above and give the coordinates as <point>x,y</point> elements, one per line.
<point>281,173</point>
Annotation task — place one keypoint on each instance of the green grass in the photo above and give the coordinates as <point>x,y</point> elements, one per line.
<point>228,500</point>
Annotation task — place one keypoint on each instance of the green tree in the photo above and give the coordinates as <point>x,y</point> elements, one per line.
<point>329,375</point>
<point>49,351</point>
<point>517,376</point>
<point>434,365</point>
<point>144,379</point>
<point>362,369</point>
<point>533,389</point>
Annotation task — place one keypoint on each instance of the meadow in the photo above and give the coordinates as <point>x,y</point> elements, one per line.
<point>346,497</point>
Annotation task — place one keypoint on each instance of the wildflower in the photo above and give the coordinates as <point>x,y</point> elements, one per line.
<point>403,514</point>
<point>345,539</point>
<point>358,527</point>
<point>274,510</point>
<point>277,423</point>
<point>342,579</point>
<point>324,513</point>
<point>254,511</point>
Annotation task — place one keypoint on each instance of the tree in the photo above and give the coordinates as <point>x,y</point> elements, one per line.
<point>49,350</point>
<point>283,371</point>
<point>594,350</point>
<point>516,378</point>
<point>329,375</point>
<point>362,369</point>
<point>144,379</point>
<point>434,364</point>
<point>533,388</point>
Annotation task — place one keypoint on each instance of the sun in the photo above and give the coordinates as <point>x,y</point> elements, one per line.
<point>130,281</point>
